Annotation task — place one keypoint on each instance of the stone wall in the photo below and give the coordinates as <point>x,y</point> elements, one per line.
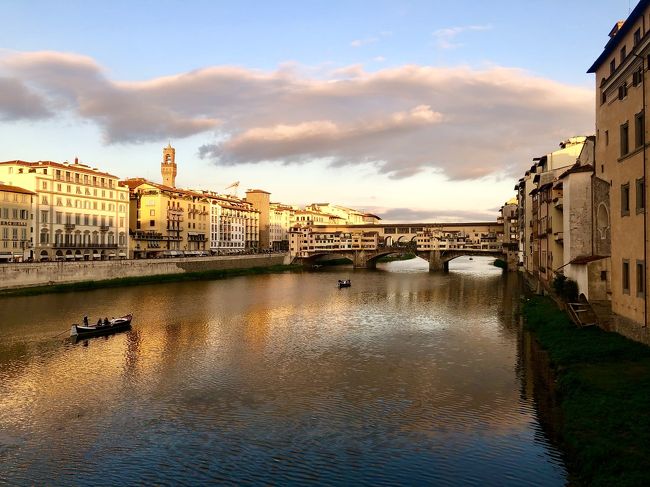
<point>39,274</point>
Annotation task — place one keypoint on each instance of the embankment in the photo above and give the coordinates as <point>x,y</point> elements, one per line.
<point>42,277</point>
<point>603,387</point>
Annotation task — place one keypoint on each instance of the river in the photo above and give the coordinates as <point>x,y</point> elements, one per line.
<point>407,377</point>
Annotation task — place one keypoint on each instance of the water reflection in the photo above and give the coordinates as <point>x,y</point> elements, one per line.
<point>404,378</point>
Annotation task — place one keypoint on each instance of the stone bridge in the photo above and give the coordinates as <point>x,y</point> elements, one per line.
<point>438,259</point>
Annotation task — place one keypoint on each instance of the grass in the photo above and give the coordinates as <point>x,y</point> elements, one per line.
<point>604,394</point>
<point>500,263</point>
<point>135,281</point>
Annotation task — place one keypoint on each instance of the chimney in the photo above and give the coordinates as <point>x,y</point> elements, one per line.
<point>76,160</point>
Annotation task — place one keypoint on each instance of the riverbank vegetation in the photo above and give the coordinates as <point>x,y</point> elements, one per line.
<point>502,264</point>
<point>134,281</point>
<point>603,384</point>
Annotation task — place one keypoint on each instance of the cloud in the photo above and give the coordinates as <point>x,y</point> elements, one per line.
<point>17,102</point>
<point>409,215</point>
<point>465,123</point>
<point>364,42</point>
<point>445,37</point>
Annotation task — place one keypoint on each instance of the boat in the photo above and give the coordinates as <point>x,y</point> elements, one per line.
<point>105,328</point>
<point>344,283</point>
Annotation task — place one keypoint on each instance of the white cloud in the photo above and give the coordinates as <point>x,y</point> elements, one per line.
<point>464,123</point>
<point>364,42</point>
<point>445,37</point>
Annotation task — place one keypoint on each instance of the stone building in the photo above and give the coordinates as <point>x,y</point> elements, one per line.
<point>167,221</point>
<point>79,211</point>
<point>622,162</point>
<point>16,223</point>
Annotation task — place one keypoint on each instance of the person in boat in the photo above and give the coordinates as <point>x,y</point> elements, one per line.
<point>106,322</point>
<point>99,322</point>
<point>85,320</point>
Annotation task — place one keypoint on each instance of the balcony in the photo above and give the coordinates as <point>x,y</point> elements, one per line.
<point>103,228</point>
<point>69,226</point>
<point>559,237</point>
<point>558,202</point>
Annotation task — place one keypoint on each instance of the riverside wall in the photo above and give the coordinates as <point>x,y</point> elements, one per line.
<point>22,275</point>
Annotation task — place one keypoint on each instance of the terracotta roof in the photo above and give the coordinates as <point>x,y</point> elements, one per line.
<point>575,169</point>
<point>585,259</point>
<point>14,189</point>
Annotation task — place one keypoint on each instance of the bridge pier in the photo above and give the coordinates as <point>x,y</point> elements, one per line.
<point>362,260</point>
<point>436,262</point>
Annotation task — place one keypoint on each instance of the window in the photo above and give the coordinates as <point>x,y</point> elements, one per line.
<point>625,145</point>
<point>45,185</point>
<point>640,195</point>
<point>640,279</point>
<point>612,66</point>
<point>44,216</point>
<point>639,133</point>
<point>625,199</point>
<point>637,36</point>
<point>152,223</point>
<point>152,212</point>
<point>622,91</point>
<point>637,76</point>
<point>625,276</point>
<point>623,53</point>
<point>606,137</point>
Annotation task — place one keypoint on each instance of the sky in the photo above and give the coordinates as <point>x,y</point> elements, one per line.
<point>415,111</point>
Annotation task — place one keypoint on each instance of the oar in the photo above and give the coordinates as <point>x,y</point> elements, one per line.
<point>55,336</point>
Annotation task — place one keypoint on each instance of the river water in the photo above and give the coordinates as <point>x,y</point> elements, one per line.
<point>407,377</point>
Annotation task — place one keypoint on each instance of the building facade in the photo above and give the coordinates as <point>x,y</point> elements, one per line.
<point>16,223</point>
<point>622,161</point>
<point>80,213</point>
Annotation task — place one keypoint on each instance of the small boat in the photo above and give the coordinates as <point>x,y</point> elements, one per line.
<point>471,258</point>
<point>106,328</point>
<point>344,283</point>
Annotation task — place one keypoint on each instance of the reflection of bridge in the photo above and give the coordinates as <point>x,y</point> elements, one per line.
<point>438,259</point>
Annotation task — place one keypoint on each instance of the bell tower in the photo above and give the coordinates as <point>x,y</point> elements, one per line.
<point>168,166</point>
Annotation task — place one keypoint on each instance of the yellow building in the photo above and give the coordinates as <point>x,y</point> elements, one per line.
<point>621,159</point>
<point>16,223</point>
<point>168,222</point>
<point>79,212</point>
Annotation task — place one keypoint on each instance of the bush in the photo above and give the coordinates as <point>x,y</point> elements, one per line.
<point>567,289</point>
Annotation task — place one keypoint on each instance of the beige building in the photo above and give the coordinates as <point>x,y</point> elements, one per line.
<point>347,216</point>
<point>304,241</point>
<point>79,211</point>
<point>621,160</point>
<point>16,223</point>
<point>167,221</point>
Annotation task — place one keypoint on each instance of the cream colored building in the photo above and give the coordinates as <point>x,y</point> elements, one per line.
<point>16,223</point>
<point>304,241</point>
<point>167,221</point>
<point>347,216</point>
<point>622,160</point>
<point>79,212</point>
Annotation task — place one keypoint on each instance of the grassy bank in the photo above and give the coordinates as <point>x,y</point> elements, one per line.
<point>134,281</point>
<point>500,263</point>
<point>604,394</point>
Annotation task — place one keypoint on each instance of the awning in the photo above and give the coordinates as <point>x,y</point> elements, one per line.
<point>69,256</point>
<point>122,254</point>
